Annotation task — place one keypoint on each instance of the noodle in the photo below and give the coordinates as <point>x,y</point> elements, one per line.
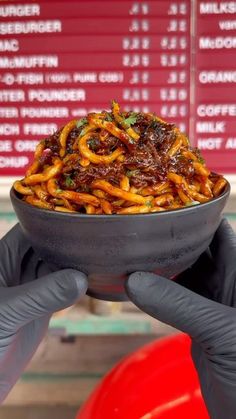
<point>118,163</point>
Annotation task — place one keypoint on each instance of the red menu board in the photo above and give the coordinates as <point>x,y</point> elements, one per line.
<point>62,59</point>
<point>215,81</point>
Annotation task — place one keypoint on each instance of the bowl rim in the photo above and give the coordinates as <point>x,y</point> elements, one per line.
<point>57,214</point>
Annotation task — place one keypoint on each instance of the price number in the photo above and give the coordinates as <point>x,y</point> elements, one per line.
<point>135,42</point>
<point>173,42</point>
<point>177,9</point>
<point>133,95</point>
<point>177,25</point>
<point>173,60</point>
<point>173,111</point>
<point>136,60</point>
<point>139,25</point>
<point>139,77</point>
<point>139,9</point>
<point>176,77</point>
<point>173,95</point>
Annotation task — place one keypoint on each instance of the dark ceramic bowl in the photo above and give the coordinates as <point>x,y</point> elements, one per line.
<point>109,247</point>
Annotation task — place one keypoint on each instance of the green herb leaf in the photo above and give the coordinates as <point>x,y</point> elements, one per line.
<point>59,190</point>
<point>131,119</point>
<point>108,117</point>
<point>131,173</point>
<point>81,122</point>
<point>82,133</point>
<point>149,203</point>
<point>201,160</point>
<point>68,181</point>
<point>92,143</point>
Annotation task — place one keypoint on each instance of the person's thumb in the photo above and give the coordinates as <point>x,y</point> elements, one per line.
<point>175,305</point>
<point>30,301</point>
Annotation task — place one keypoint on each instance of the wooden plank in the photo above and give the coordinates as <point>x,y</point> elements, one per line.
<point>38,412</point>
<point>84,354</point>
<point>45,393</point>
<point>66,372</point>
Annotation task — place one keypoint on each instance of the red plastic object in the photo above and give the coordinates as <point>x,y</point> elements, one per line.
<point>156,381</point>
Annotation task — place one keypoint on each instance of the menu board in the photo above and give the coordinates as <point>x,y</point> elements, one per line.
<point>62,59</point>
<point>215,94</point>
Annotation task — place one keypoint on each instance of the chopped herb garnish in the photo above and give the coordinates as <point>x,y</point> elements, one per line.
<point>108,117</point>
<point>92,142</point>
<point>68,181</point>
<point>131,119</point>
<point>201,160</point>
<point>149,203</point>
<point>59,190</point>
<point>82,133</point>
<point>131,173</point>
<point>81,122</point>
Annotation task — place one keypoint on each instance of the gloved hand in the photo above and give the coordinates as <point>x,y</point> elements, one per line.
<point>204,307</point>
<point>26,303</point>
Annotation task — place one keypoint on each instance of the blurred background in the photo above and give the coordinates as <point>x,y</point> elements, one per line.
<point>62,59</point>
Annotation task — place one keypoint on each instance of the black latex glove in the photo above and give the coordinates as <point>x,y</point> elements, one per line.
<point>26,305</point>
<point>206,311</point>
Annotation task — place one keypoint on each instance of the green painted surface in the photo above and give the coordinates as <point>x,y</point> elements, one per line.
<point>8,216</point>
<point>98,325</point>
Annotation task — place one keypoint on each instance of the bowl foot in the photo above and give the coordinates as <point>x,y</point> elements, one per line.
<point>108,297</point>
<point>107,286</point>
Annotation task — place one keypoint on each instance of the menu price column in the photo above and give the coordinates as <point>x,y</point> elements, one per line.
<point>175,63</point>
<point>157,52</point>
<point>136,44</point>
<point>215,111</point>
